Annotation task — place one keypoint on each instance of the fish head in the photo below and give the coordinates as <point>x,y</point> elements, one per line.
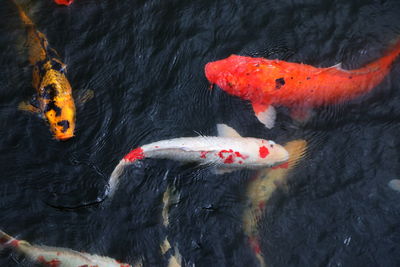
<point>58,105</point>
<point>222,73</point>
<point>271,154</point>
<point>239,76</point>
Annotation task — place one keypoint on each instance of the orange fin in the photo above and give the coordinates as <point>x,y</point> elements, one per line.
<point>266,114</point>
<point>301,114</point>
<point>25,106</point>
<point>84,96</point>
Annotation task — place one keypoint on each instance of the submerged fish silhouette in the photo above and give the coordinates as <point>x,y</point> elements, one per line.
<point>260,189</point>
<point>227,152</point>
<point>53,90</point>
<point>300,87</point>
<point>56,257</point>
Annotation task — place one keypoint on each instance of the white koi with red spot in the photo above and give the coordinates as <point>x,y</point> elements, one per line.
<point>227,152</point>
<point>55,256</point>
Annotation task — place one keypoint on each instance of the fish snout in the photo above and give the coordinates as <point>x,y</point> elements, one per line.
<point>211,71</point>
<point>63,130</point>
<point>274,154</point>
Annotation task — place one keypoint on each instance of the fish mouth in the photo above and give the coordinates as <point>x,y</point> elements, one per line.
<point>63,137</point>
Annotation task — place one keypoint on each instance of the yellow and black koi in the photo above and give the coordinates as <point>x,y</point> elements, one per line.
<point>54,92</point>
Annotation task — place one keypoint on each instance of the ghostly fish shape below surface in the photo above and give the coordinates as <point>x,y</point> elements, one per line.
<point>53,90</point>
<point>260,189</point>
<point>226,152</point>
<point>56,257</point>
<point>300,87</point>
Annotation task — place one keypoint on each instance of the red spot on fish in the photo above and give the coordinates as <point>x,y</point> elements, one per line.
<point>238,154</point>
<point>263,152</point>
<point>261,205</point>
<point>135,155</point>
<point>240,162</point>
<point>281,166</point>
<point>14,243</point>
<point>203,154</point>
<point>255,245</point>
<point>229,159</point>
<point>221,153</point>
<point>3,240</point>
<point>156,147</point>
<point>64,2</point>
<point>51,263</point>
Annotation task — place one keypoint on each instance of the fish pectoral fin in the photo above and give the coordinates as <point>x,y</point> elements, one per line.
<point>84,96</point>
<point>266,114</point>
<point>26,106</point>
<point>226,131</point>
<point>301,114</point>
<point>220,170</point>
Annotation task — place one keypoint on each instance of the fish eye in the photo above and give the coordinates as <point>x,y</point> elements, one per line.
<point>271,143</point>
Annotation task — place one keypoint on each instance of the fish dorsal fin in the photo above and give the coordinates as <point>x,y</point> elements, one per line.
<point>226,131</point>
<point>337,66</point>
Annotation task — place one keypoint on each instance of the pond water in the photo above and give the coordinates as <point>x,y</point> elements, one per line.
<point>145,60</point>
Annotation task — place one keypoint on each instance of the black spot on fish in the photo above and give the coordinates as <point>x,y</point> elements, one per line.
<point>64,124</point>
<point>291,78</point>
<point>40,66</point>
<point>257,65</point>
<point>279,83</point>
<point>57,66</point>
<point>308,78</point>
<point>49,92</point>
<point>52,106</point>
<point>230,84</point>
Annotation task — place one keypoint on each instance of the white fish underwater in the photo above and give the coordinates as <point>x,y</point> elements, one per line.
<point>56,257</point>
<point>227,152</point>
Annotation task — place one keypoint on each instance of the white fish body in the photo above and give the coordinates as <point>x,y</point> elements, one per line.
<point>227,152</point>
<point>57,257</point>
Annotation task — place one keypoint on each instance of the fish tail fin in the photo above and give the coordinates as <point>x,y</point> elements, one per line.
<point>388,58</point>
<point>130,158</point>
<point>114,177</point>
<point>5,240</point>
<point>25,19</point>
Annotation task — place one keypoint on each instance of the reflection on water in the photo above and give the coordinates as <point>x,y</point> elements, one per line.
<point>145,61</point>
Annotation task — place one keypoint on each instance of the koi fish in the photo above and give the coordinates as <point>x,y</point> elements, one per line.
<point>64,2</point>
<point>56,257</point>
<point>227,152</point>
<point>300,87</point>
<point>53,90</point>
<point>260,189</point>
<point>170,197</point>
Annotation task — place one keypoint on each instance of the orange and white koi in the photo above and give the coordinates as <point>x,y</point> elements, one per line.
<point>227,152</point>
<point>260,189</point>
<point>56,257</point>
<point>300,87</point>
<point>53,90</point>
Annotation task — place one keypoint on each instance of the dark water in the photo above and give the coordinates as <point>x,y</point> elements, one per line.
<point>144,60</point>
